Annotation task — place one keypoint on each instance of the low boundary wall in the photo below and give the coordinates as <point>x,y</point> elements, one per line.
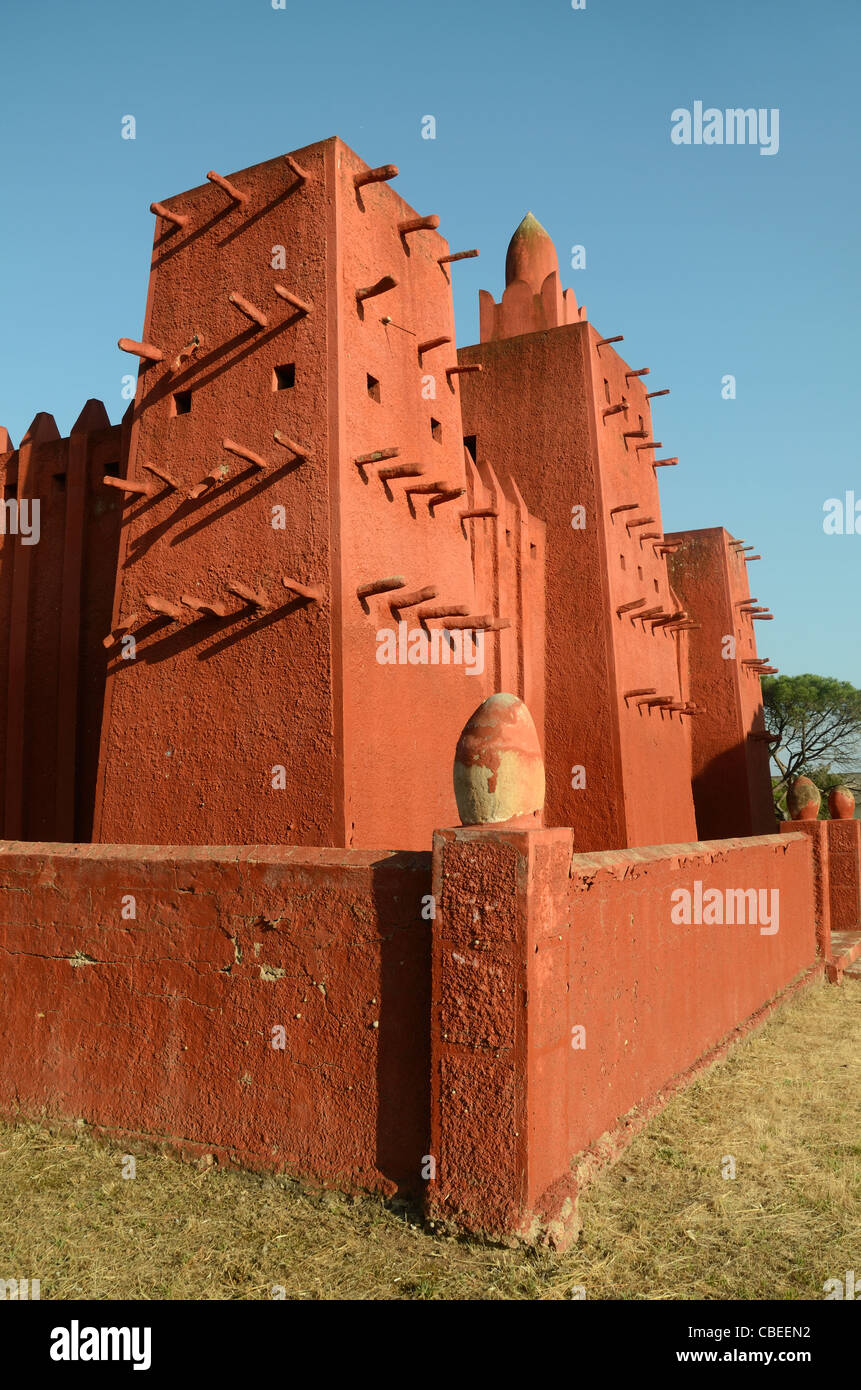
<point>163,1024</point>
<point>482,1028</point>
<point>569,991</point>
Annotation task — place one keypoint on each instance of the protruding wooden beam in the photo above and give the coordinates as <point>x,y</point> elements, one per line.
<point>639,521</point>
<point>313,593</point>
<point>628,607</point>
<point>302,174</point>
<point>380,586</point>
<point>163,477</point>
<point>432,343</point>
<point>287,443</point>
<point>413,597</point>
<point>458,256</point>
<point>120,630</point>
<point>624,507</point>
<point>156,604</point>
<point>437,486</point>
<point>255,598</point>
<point>302,305</point>
<point>650,444</point>
<point>442,611</point>
<point>248,309</point>
<point>362,460</point>
<point>128,485</point>
<point>484,622</point>
<point>664,463</point>
<point>382,174</point>
<point>614,410</point>
<point>641,371</point>
<point>388,282</point>
<point>202,606</point>
<point>241,452</point>
<point>144,350</point>
<point>478,512</point>
<point>650,395</point>
<point>235,194</point>
<point>603,342</point>
<point>463,371</point>
<point>401,470</point>
<point>217,475</point>
<point>449,495</point>
<point>177,218</point>
<point>418,224</point>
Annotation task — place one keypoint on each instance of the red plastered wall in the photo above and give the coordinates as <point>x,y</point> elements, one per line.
<point>652,995</point>
<point>196,723</point>
<point>531,942</point>
<point>162,1026</point>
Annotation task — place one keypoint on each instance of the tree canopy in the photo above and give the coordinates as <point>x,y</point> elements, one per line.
<point>817,720</point>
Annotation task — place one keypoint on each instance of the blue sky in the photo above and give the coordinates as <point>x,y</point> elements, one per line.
<point>711,260</point>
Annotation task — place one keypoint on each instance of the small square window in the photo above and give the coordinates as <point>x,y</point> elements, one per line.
<point>606,390</point>
<point>182,403</point>
<point>283,378</point>
<point>655,582</point>
<point>60,481</point>
<point>436,429</point>
<point>621,562</point>
<point>373,388</point>
<point>113,469</point>
<point>639,571</point>
<point>470,443</point>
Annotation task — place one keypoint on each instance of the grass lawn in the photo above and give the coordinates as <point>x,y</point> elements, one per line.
<point>663,1223</point>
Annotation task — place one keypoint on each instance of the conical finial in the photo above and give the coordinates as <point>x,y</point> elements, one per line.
<point>531,255</point>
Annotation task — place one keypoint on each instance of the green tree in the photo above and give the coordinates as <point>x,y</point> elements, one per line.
<point>817,721</point>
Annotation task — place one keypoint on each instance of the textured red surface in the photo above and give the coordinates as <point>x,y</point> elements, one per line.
<point>161,1026</point>
<point>55,607</point>
<point>560,941</point>
<point>844,866</point>
<point>536,410</point>
<point>729,768</point>
<point>299,687</point>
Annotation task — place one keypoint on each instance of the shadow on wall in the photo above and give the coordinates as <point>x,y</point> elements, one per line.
<point>722,799</point>
<point>401,890</point>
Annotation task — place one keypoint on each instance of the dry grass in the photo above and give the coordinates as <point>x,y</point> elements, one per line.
<point>662,1224</point>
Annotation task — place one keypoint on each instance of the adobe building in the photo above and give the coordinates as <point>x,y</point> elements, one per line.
<point>242,633</point>
<point>325,535</point>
